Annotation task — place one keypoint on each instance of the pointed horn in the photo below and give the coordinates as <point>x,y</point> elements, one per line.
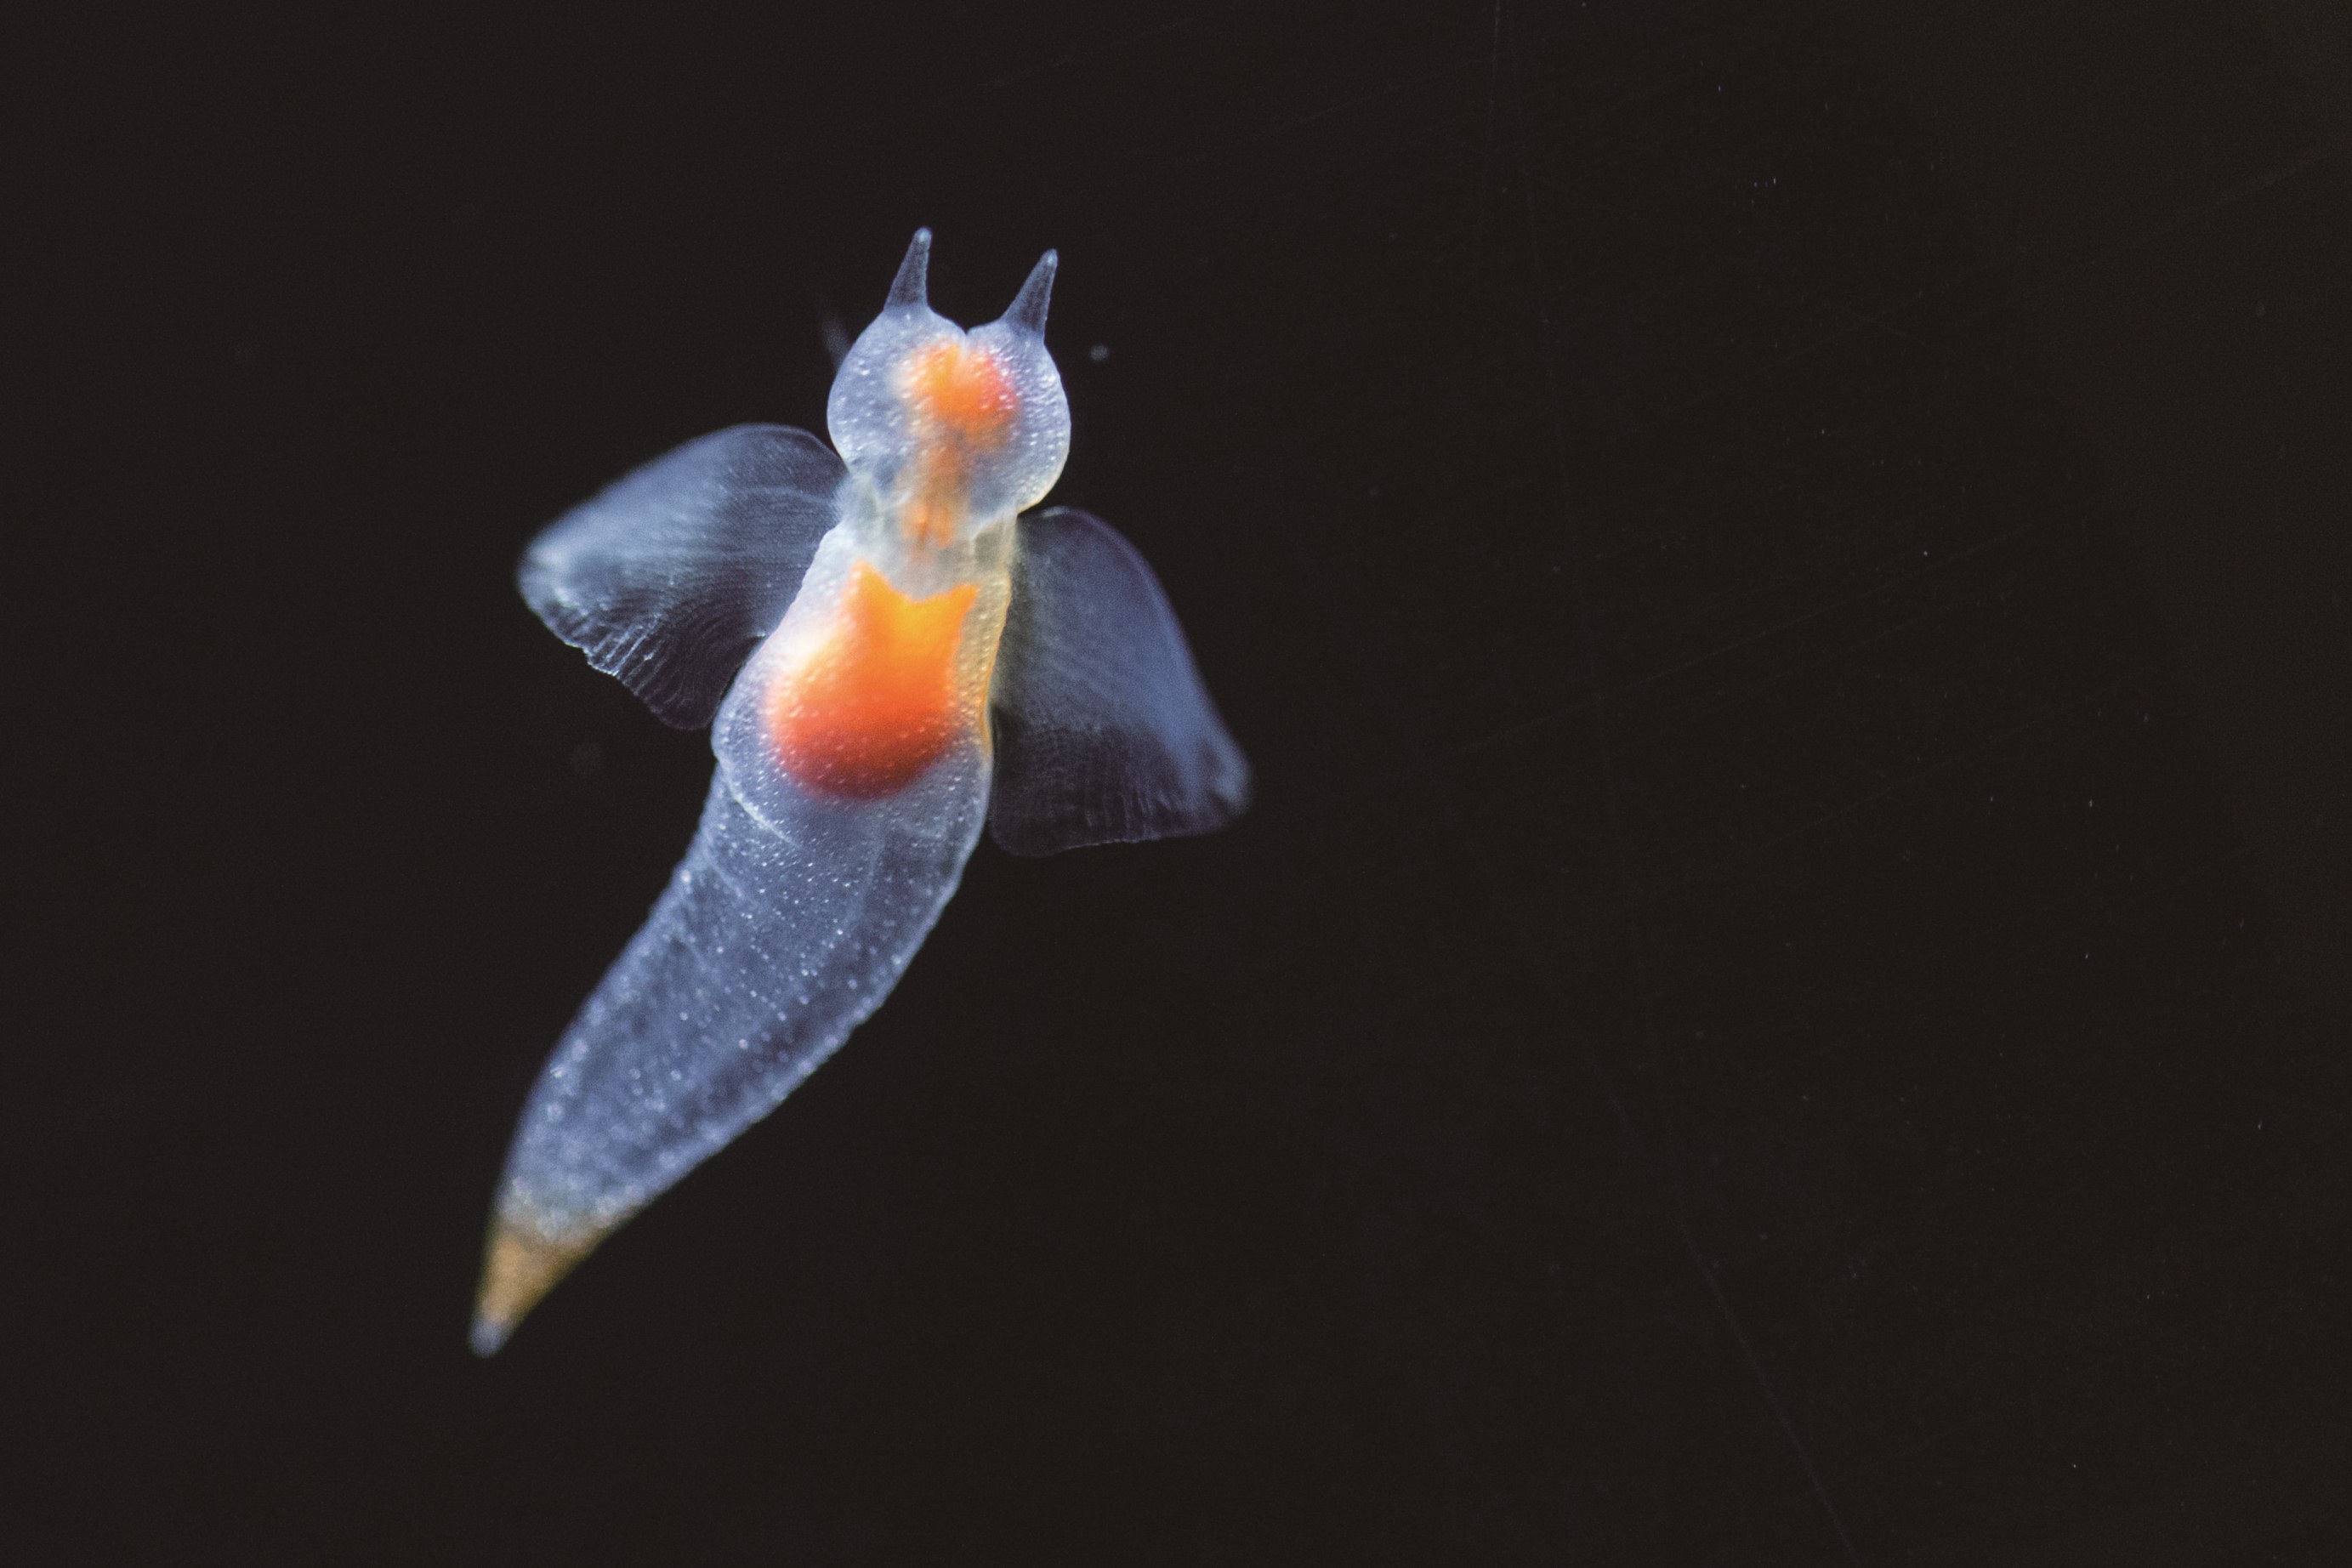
<point>908,287</point>
<point>1027,310</point>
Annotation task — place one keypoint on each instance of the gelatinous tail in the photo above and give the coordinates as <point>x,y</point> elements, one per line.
<point>520,1264</point>
<point>768,948</point>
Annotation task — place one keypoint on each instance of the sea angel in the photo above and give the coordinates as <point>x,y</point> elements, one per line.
<point>921,659</point>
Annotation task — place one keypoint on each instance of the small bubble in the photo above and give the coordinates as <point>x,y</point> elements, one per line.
<point>1099,353</point>
<point>587,758</point>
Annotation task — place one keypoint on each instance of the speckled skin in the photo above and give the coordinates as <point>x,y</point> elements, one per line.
<point>805,893</point>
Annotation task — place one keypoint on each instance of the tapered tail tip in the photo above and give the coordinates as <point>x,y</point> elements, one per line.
<point>486,1336</point>
<point>522,1265</point>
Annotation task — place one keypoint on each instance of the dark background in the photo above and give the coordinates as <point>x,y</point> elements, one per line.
<point>1784,1001</point>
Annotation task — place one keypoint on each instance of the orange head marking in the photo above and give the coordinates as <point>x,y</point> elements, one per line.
<point>964,407</point>
<point>963,391</point>
<point>873,703</point>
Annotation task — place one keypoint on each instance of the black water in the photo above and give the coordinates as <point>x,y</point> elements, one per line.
<point>1785,1000</point>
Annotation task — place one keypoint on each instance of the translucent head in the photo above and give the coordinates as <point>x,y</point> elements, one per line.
<point>952,428</point>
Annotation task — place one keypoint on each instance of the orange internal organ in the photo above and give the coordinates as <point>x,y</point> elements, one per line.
<point>873,703</point>
<point>964,407</point>
<point>964,389</point>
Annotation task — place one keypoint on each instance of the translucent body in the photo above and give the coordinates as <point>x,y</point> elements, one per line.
<point>903,615</point>
<point>765,950</point>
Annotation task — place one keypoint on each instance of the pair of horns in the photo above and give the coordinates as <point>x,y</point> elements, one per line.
<point>1027,312</point>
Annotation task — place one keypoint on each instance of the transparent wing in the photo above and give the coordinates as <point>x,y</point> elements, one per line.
<point>670,577</point>
<point>1104,731</point>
